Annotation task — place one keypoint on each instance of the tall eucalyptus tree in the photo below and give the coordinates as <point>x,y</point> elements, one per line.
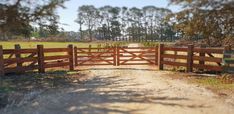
<point>90,15</point>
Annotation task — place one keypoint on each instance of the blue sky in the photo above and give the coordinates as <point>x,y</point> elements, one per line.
<point>68,15</point>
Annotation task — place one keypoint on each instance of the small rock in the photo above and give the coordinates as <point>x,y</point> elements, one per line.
<point>222,94</point>
<point>35,104</point>
<point>75,81</point>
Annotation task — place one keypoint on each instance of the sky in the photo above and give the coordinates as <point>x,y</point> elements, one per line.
<point>68,15</point>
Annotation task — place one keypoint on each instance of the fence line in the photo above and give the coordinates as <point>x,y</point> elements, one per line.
<point>200,58</point>
<point>193,58</point>
<point>21,60</point>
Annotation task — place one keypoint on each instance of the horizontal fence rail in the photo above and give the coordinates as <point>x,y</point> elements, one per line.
<point>22,60</point>
<point>192,58</point>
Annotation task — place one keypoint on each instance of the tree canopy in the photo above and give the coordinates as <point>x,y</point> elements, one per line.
<point>212,20</point>
<point>18,16</point>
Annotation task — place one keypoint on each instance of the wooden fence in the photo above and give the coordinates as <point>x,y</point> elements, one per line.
<point>21,60</point>
<point>40,58</point>
<point>192,58</point>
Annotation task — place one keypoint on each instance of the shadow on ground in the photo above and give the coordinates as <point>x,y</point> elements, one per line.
<point>99,95</point>
<point>104,94</point>
<point>14,87</point>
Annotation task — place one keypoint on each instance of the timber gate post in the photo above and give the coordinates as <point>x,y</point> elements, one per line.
<point>41,58</point>
<point>1,62</point>
<point>18,57</point>
<point>202,54</point>
<point>90,46</point>
<point>118,56</point>
<point>156,55</point>
<point>75,56</point>
<point>71,57</point>
<point>190,58</point>
<point>114,55</point>
<point>160,58</point>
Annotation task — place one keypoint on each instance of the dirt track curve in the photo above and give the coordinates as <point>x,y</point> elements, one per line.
<point>128,90</point>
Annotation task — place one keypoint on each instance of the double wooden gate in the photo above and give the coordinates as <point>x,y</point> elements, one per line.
<point>116,56</point>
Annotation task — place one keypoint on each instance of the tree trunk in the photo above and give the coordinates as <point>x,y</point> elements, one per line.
<point>81,34</point>
<point>90,35</point>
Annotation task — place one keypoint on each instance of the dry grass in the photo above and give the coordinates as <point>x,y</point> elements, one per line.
<point>220,84</point>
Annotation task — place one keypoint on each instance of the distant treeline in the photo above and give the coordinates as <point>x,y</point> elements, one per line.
<point>123,23</point>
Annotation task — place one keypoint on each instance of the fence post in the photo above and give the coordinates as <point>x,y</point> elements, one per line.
<point>18,57</point>
<point>114,56</point>
<point>202,54</point>
<point>71,55</point>
<point>75,56</point>
<point>190,58</point>
<point>118,55</point>
<point>41,58</point>
<point>175,53</point>
<point>90,46</point>
<point>156,55</point>
<point>160,58</point>
<point>1,62</point>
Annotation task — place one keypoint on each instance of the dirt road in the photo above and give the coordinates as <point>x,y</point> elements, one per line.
<point>127,90</point>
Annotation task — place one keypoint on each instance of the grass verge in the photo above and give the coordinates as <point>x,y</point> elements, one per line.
<point>223,84</point>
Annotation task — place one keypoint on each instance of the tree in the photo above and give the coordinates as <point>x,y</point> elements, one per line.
<point>106,20</point>
<point>209,19</point>
<point>135,17</point>
<point>123,20</point>
<point>115,25</point>
<point>80,20</point>
<point>90,15</point>
<point>18,15</point>
<point>136,24</point>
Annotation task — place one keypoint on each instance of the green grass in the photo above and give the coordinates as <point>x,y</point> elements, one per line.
<point>153,44</point>
<point>33,45</point>
<point>10,45</point>
<point>229,59</point>
<point>215,83</point>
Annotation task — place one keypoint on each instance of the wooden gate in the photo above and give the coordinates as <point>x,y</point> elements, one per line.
<point>137,56</point>
<point>95,56</point>
<point>116,56</point>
